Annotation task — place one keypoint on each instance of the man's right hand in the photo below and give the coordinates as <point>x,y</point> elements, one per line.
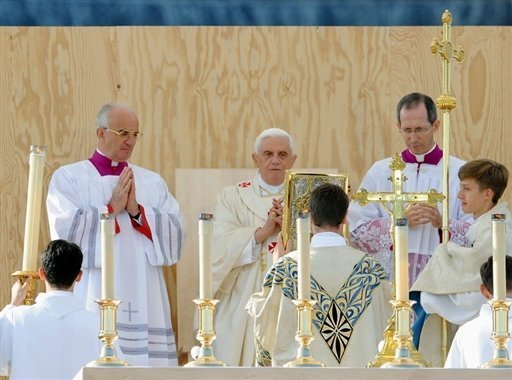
<point>19,292</point>
<point>271,226</point>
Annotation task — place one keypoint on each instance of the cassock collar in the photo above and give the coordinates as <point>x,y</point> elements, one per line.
<point>266,189</point>
<point>327,239</point>
<point>432,157</point>
<point>105,165</point>
<point>58,302</point>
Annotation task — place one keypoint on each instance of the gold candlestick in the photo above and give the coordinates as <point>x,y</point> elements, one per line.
<point>24,276</point>
<point>206,335</point>
<point>304,335</point>
<point>402,337</point>
<point>500,335</point>
<point>108,335</point>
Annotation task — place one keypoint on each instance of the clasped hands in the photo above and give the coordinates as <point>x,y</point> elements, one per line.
<point>123,196</point>
<point>273,223</point>
<point>421,213</point>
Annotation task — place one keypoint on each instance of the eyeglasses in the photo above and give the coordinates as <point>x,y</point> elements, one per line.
<point>416,131</point>
<point>123,133</point>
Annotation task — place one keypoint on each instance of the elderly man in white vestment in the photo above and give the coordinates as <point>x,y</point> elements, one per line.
<point>370,224</point>
<point>148,234</point>
<point>248,218</point>
<point>351,288</point>
<point>56,336</point>
<point>450,283</point>
<point>472,346</point>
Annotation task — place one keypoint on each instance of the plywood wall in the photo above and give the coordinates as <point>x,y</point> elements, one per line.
<point>204,93</point>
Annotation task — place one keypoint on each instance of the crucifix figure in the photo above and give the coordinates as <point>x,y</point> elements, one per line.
<point>395,203</point>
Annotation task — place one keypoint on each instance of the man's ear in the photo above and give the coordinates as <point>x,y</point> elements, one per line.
<point>436,125</point>
<point>487,294</point>
<point>42,276</point>
<point>254,159</point>
<point>100,132</point>
<point>79,276</point>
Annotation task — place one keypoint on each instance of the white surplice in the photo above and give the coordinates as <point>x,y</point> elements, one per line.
<point>350,333</point>
<point>369,224</point>
<point>50,340</point>
<point>472,346</point>
<point>77,196</point>
<point>450,283</point>
<point>239,266</point>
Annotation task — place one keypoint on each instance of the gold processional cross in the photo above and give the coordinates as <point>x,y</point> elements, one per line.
<point>395,203</point>
<point>446,102</point>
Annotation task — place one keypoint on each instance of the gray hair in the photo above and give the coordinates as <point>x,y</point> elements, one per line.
<point>272,132</point>
<point>102,119</point>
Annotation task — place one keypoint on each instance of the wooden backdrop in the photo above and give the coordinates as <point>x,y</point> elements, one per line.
<point>203,93</point>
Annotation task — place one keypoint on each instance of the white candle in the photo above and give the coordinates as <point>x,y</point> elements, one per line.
<point>402,259</point>
<point>498,256</point>
<point>107,256</point>
<point>33,215</point>
<point>205,257</point>
<point>303,240</point>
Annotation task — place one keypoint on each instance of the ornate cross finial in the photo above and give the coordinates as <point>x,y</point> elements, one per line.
<point>446,50</point>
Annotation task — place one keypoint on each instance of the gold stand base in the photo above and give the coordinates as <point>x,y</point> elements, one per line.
<point>500,335</point>
<point>31,291</point>
<point>304,335</point>
<point>205,359</point>
<point>108,335</point>
<point>402,360</point>
<point>498,363</point>
<point>388,353</point>
<point>206,335</point>
<point>304,359</point>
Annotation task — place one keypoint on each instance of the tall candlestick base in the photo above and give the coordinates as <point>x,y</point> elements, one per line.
<point>24,276</point>
<point>108,335</point>
<point>500,335</point>
<point>206,335</point>
<point>304,336</point>
<point>388,351</point>
<point>402,337</point>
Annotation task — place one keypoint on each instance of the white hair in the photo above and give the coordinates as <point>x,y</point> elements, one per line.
<point>272,132</point>
<point>102,119</point>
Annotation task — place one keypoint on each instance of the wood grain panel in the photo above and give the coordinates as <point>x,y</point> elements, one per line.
<point>204,93</point>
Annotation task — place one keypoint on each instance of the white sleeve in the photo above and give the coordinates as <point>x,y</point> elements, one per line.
<point>457,308</point>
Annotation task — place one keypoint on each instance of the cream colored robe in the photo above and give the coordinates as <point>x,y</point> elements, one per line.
<point>275,315</point>
<point>240,210</point>
<point>456,269</point>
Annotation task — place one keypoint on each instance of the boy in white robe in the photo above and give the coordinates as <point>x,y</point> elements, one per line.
<point>351,288</point>
<point>248,217</point>
<point>56,336</point>
<point>450,283</point>
<point>370,224</point>
<point>148,234</point>
<point>473,346</point>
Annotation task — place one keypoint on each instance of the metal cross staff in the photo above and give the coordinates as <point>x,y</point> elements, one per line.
<point>395,203</point>
<point>446,102</point>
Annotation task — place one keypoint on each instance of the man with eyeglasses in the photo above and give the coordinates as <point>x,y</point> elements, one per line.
<point>148,234</point>
<point>370,225</point>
